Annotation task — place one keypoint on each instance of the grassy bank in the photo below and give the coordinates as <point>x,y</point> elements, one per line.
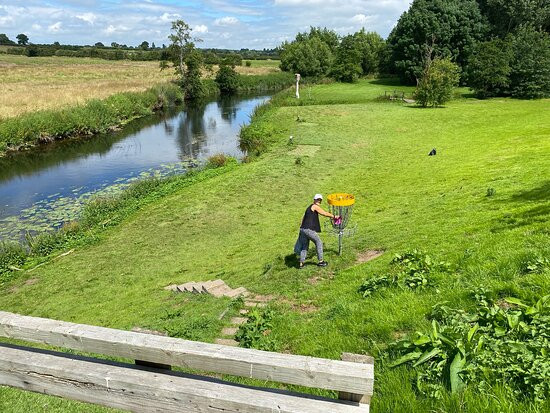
<point>93,117</point>
<point>482,205</point>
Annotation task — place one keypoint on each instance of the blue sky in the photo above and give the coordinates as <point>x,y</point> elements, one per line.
<point>230,24</point>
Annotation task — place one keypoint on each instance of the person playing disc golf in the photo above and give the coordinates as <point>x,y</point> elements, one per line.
<point>309,231</point>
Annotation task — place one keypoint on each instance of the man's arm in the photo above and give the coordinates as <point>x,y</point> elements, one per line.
<point>322,212</point>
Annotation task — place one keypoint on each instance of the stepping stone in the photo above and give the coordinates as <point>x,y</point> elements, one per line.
<point>227,342</point>
<point>237,292</point>
<point>220,291</point>
<point>172,287</point>
<point>237,321</point>
<point>252,304</point>
<point>229,331</point>
<point>244,311</point>
<point>210,285</point>
<point>261,298</point>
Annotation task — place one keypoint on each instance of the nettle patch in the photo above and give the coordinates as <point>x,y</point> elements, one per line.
<point>413,270</point>
<point>255,333</point>
<point>505,343</point>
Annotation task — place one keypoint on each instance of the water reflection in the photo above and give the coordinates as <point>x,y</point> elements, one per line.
<point>72,169</point>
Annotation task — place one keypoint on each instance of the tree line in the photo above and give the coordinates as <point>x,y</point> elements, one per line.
<point>499,47</point>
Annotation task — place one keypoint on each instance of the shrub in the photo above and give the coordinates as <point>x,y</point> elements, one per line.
<point>248,63</point>
<point>227,80</point>
<point>254,138</point>
<point>436,86</point>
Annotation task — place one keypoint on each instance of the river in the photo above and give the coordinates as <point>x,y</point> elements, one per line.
<point>44,187</point>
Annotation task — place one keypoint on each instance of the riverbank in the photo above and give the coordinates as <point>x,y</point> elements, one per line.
<point>481,204</point>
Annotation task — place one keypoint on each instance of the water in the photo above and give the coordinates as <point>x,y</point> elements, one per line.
<point>43,188</point>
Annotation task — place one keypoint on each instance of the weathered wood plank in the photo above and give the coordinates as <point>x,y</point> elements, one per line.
<point>356,358</point>
<point>337,375</point>
<point>136,390</point>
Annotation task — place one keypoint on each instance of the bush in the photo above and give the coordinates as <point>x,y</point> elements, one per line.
<point>217,161</point>
<point>310,57</point>
<point>227,80</point>
<point>248,63</point>
<point>437,83</point>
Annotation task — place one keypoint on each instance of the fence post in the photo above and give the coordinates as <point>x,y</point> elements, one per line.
<point>354,397</point>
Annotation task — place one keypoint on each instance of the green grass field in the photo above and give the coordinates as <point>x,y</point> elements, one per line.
<point>241,226</point>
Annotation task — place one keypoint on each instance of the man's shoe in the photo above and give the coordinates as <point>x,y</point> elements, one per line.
<point>301,267</point>
<point>322,264</point>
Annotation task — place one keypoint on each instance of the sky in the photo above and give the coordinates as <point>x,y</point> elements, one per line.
<point>231,24</point>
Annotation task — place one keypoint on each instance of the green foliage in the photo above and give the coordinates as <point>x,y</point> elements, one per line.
<point>248,63</point>
<point>489,68</point>
<point>191,81</point>
<point>411,270</point>
<point>347,65</point>
<point>255,332</point>
<point>5,40</point>
<point>491,192</point>
<point>506,344</point>
<point>310,57</point>
<point>22,39</point>
<point>12,254</point>
<point>451,27</point>
<point>530,68</point>
<point>371,47</point>
<point>219,160</point>
<point>436,86</point>
<point>227,80</point>
<point>507,16</point>
<point>537,265</point>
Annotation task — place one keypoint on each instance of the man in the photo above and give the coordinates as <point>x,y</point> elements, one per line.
<point>309,231</point>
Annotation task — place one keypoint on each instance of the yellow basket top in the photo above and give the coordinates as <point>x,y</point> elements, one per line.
<point>341,199</point>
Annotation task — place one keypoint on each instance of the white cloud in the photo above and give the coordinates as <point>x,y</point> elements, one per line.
<point>169,17</point>
<point>87,17</point>
<point>226,21</point>
<point>55,28</point>
<point>362,19</point>
<point>200,28</point>
<point>36,27</point>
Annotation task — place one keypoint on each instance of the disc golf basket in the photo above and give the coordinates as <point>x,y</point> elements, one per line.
<point>341,205</point>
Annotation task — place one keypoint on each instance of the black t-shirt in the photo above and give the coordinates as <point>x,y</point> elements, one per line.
<point>311,220</point>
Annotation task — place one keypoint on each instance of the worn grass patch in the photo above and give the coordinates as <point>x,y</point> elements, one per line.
<point>305,150</point>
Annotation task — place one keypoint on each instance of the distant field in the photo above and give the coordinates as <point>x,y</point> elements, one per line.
<point>29,84</point>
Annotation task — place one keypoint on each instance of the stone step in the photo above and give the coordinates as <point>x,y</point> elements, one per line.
<point>210,285</point>
<point>241,291</point>
<point>237,321</point>
<point>260,298</point>
<point>229,331</point>
<point>187,287</point>
<point>220,290</point>
<point>172,287</point>
<point>227,342</point>
<point>244,311</point>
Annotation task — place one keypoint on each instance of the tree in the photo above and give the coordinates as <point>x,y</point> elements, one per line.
<point>153,46</point>
<point>507,16</point>
<point>5,40</point>
<point>452,27</point>
<point>144,45</point>
<point>227,79</point>
<point>328,37</point>
<point>99,44</point>
<point>530,68</point>
<point>436,85</point>
<point>187,59</point>
<point>371,47</point>
<point>489,68</point>
<point>347,65</point>
<point>22,39</point>
<point>309,57</point>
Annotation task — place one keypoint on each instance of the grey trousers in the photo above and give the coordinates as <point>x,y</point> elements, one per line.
<point>302,245</point>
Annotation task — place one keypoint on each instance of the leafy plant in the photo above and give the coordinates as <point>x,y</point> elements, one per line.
<point>502,344</point>
<point>537,265</point>
<point>255,332</point>
<point>491,192</point>
<point>416,267</point>
<point>376,283</point>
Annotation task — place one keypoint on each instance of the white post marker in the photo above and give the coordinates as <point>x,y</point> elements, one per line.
<point>298,77</point>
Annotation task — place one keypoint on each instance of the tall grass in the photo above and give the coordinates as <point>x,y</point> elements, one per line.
<point>96,116</point>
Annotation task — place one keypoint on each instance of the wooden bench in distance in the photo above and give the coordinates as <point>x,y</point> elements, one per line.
<point>109,385</point>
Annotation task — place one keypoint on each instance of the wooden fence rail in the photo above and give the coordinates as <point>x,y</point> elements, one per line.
<point>128,386</point>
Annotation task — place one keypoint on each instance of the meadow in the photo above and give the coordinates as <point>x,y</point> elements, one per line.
<point>482,205</point>
<point>29,84</point>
